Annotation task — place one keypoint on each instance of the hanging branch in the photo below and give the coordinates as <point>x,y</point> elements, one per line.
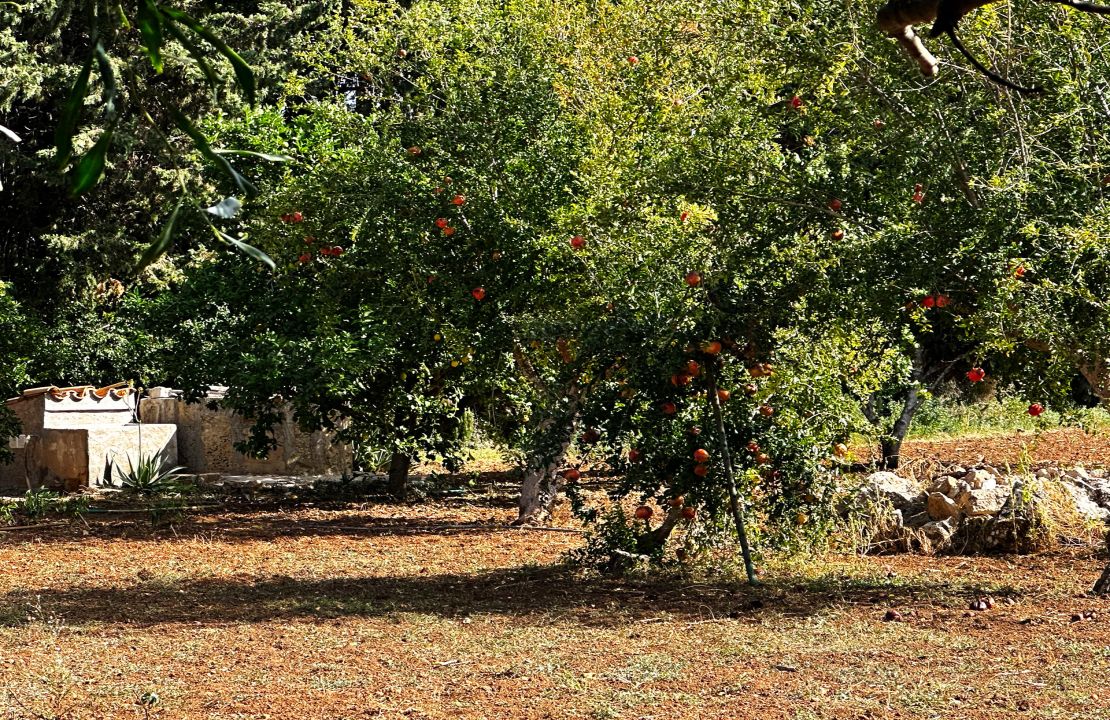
<point>897,19</point>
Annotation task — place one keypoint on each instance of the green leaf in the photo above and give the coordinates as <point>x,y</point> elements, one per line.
<point>194,51</point>
<point>250,250</point>
<point>251,153</point>
<point>71,113</point>
<point>159,247</point>
<point>104,64</point>
<point>201,143</point>
<point>91,167</point>
<point>150,27</point>
<point>243,73</point>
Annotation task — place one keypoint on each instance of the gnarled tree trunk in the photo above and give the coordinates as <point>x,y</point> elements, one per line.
<point>540,486</point>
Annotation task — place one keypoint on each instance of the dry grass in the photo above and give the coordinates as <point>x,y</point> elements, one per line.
<point>373,612</point>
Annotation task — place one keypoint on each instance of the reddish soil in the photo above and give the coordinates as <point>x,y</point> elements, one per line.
<point>1068,446</point>
<point>441,611</point>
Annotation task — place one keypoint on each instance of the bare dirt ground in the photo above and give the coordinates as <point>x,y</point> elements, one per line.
<point>1070,446</point>
<point>440,611</point>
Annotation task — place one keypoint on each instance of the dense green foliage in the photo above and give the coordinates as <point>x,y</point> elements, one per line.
<point>497,208</point>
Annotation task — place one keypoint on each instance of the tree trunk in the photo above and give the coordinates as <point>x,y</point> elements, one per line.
<point>891,446</point>
<point>540,486</point>
<point>399,466</point>
<point>1102,587</point>
<point>1097,375</point>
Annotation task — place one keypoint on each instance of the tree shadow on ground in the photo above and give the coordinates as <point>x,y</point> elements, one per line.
<point>532,594</point>
<point>265,523</point>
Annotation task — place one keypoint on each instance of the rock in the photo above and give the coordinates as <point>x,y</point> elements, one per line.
<point>917,519</point>
<point>1048,472</point>
<point>938,533</point>
<point>941,507</point>
<point>944,484</point>
<point>1099,492</point>
<point>1078,473</point>
<point>983,501</point>
<point>902,493</point>
<point>981,480</point>
<point>1084,505</point>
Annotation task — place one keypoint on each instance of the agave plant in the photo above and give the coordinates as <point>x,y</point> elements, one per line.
<point>149,476</point>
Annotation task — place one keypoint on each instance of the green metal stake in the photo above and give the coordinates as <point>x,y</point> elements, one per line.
<point>733,496</point>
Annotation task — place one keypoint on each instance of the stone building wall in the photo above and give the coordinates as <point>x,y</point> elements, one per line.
<point>207,435</point>
<point>73,437</point>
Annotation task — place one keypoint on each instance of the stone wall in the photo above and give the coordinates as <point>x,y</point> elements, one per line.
<point>74,436</point>
<point>207,435</point>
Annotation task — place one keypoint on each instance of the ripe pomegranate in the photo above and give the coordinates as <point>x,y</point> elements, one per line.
<point>878,124</point>
<point>668,408</point>
<point>591,435</point>
<point>572,475</point>
<point>689,513</point>
<point>441,223</point>
<point>296,217</point>
<point>693,279</point>
<point>724,395</point>
<point>751,389</point>
<point>684,217</point>
<point>701,470</point>
<point>942,300</point>
<point>695,430</point>
<point>692,368</point>
<point>632,60</point>
<point>448,231</point>
<point>677,502</point>
<point>762,458</point>
<point>415,150</point>
<point>643,512</point>
<point>458,200</point>
<point>976,374</point>
<point>701,455</point>
<point>1035,409</point>
<point>837,235</point>
<point>1019,271</point>
<point>680,380</point>
<point>305,258</point>
<point>479,293</point>
<point>634,455</point>
<point>711,347</point>
<point>578,242</point>
<point>919,197</point>
<point>796,102</point>
<point>336,251</point>
<point>835,205</point>
<point>766,410</point>
<point>753,446</point>
<point>928,301</point>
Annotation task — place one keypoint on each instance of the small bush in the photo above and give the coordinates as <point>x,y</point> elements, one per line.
<point>149,476</point>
